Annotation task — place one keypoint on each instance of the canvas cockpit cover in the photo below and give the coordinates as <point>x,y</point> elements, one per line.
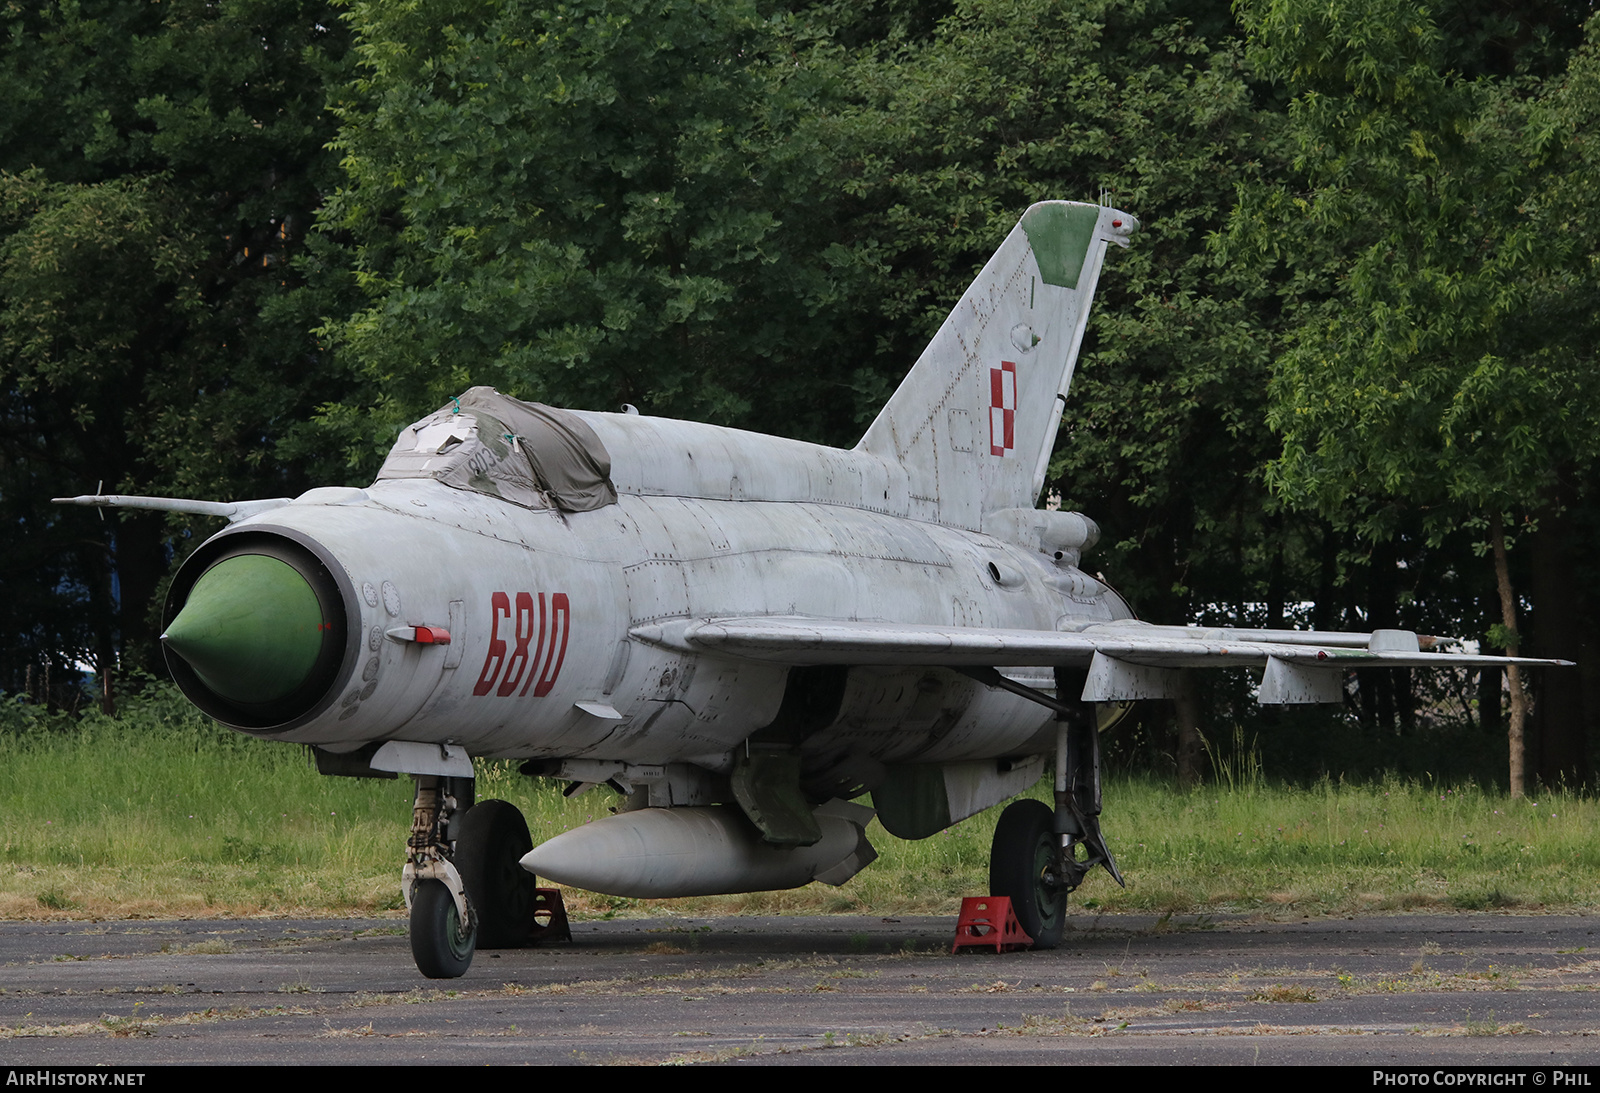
<point>526,453</point>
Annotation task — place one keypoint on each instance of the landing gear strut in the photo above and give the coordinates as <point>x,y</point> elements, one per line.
<point>1040,855</point>
<point>1077,815</point>
<point>444,927</point>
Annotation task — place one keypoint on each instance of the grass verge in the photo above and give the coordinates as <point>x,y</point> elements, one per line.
<point>161,814</point>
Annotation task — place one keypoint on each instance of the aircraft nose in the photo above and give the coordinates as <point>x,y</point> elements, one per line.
<point>258,638</point>
<point>251,629</point>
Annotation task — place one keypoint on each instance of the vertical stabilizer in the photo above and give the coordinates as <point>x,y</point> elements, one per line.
<point>975,420</point>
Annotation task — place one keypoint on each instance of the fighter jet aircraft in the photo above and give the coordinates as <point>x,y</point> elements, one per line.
<point>741,635</point>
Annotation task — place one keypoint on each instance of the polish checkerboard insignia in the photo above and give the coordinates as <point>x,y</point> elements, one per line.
<point>1003,410</point>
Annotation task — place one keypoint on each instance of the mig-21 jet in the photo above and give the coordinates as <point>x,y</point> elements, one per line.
<point>742,636</point>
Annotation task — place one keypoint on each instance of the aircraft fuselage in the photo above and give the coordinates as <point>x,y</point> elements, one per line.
<point>539,606</point>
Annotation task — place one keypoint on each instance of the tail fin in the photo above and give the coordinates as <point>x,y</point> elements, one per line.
<point>974,421</point>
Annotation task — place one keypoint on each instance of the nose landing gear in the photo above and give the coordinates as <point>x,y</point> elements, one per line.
<point>464,882</point>
<point>444,927</point>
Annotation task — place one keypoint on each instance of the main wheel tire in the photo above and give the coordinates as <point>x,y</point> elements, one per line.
<point>1024,849</point>
<point>440,947</point>
<point>490,842</point>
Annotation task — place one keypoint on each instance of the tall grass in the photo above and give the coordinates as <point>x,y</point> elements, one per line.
<point>1388,845</point>
<point>162,813</point>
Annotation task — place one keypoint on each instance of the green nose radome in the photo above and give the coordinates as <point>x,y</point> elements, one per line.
<point>251,629</point>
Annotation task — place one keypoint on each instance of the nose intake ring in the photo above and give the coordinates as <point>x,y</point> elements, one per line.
<point>256,631</point>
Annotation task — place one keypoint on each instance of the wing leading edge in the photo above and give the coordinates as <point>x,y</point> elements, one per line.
<point>1126,660</point>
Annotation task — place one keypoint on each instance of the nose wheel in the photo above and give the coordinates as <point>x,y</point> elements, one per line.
<point>441,943</point>
<point>464,880</point>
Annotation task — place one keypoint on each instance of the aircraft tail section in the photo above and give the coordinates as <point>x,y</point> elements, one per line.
<point>974,421</point>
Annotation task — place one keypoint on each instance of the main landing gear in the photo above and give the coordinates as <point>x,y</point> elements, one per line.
<point>463,878</point>
<point>490,842</point>
<point>1039,854</point>
<point>1023,866</point>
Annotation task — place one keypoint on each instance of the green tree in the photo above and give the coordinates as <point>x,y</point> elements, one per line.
<point>1421,375</point>
<point>1565,577</point>
<point>760,219</point>
<point>159,165</point>
<point>592,203</point>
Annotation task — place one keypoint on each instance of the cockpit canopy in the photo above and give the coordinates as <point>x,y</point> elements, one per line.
<point>523,452</point>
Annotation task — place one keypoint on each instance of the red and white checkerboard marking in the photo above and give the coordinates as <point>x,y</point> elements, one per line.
<point>1003,410</point>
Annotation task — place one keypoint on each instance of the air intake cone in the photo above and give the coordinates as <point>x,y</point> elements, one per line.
<point>251,629</point>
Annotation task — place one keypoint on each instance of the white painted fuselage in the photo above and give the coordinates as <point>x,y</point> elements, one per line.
<point>709,523</point>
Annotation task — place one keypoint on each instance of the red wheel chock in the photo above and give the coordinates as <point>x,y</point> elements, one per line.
<point>989,922</point>
<point>549,917</point>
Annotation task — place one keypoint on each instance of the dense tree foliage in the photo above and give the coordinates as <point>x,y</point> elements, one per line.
<point>160,165</point>
<point>595,203</point>
<point>1430,374</point>
<point>878,181</point>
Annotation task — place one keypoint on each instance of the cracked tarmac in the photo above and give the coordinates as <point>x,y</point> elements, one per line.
<point>1465,989</point>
